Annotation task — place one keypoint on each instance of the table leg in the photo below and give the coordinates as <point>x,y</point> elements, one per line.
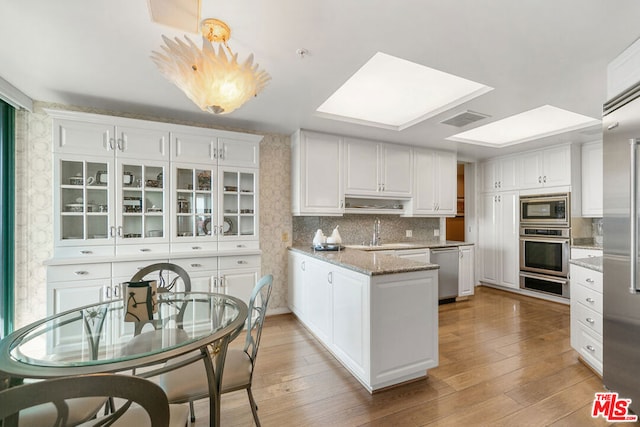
<point>214,376</point>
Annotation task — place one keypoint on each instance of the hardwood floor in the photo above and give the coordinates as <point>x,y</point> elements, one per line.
<point>505,360</point>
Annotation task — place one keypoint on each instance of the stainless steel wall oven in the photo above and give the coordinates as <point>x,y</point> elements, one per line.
<point>544,243</point>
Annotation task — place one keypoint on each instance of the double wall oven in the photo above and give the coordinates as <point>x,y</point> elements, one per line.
<point>545,235</point>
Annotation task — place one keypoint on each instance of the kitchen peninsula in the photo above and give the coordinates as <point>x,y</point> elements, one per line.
<point>376,313</point>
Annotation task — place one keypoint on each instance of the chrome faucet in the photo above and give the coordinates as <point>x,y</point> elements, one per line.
<point>376,233</point>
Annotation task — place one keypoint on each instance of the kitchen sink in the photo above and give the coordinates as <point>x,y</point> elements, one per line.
<point>381,247</point>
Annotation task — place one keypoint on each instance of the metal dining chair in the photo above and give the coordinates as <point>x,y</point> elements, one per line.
<point>189,383</point>
<point>48,402</point>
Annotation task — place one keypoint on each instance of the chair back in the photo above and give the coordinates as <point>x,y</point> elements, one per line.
<point>56,391</point>
<point>258,307</point>
<point>165,284</point>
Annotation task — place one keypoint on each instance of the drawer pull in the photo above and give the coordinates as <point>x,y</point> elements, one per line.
<point>590,300</point>
<point>590,348</point>
<point>194,265</point>
<point>145,250</point>
<point>241,246</point>
<point>81,273</point>
<point>590,320</point>
<point>195,248</point>
<point>589,280</point>
<point>241,261</point>
<point>85,252</point>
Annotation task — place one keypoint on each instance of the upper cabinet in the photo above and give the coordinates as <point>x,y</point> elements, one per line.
<point>592,179</point>
<point>125,186</point>
<point>546,168</point>
<point>375,169</point>
<point>435,183</point>
<point>317,186</point>
<point>500,174</point>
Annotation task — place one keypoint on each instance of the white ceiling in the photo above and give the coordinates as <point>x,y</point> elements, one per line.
<point>533,52</point>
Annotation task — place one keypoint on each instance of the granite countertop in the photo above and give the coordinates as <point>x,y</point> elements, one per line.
<point>410,245</point>
<point>366,262</point>
<point>592,263</point>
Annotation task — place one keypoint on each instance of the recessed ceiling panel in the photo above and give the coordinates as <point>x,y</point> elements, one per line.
<point>527,126</point>
<point>394,93</point>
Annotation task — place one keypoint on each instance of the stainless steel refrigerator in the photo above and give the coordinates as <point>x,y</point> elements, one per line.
<point>621,287</point>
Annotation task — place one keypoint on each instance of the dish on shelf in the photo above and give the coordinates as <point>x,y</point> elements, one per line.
<point>230,188</point>
<point>74,207</point>
<point>205,226</point>
<point>227,226</point>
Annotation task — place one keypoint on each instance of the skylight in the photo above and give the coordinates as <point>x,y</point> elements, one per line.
<point>533,124</point>
<point>394,93</point>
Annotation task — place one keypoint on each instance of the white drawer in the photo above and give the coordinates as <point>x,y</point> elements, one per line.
<point>577,253</point>
<point>193,265</point>
<point>587,297</point>
<point>194,247</point>
<point>240,261</point>
<point>151,249</point>
<point>587,317</point>
<point>83,251</point>
<point>126,269</point>
<point>587,277</point>
<point>67,273</point>
<point>590,348</point>
<point>248,244</point>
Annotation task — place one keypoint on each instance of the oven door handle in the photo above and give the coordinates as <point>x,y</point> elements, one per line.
<point>559,280</point>
<point>541,239</point>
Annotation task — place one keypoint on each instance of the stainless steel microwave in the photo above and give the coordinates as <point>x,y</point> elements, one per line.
<point>547,209</point>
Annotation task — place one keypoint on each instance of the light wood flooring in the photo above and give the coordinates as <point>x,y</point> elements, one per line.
<point>505,360</point>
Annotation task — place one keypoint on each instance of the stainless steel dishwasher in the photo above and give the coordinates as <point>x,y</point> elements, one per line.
<point>447,259</point>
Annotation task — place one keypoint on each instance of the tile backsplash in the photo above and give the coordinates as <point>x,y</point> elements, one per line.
<point>358,229</point>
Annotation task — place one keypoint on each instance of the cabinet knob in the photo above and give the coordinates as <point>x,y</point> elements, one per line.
<point>590,300</point>
<point>588,280</point>
<point>590,348</point>
<point>590,320</point>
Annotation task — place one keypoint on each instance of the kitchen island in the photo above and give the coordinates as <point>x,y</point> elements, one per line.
<point>377,314</point>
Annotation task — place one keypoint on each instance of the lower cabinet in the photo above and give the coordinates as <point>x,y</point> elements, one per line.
<point>586,315</point>
<point>383,329</point>
<point>466,277</point>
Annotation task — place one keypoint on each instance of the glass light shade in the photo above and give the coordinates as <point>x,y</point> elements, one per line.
<point>215,82</point>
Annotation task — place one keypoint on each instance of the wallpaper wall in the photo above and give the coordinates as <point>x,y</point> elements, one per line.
<point>34,209</point>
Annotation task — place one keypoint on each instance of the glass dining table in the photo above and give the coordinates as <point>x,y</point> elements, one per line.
<point>190,326</point>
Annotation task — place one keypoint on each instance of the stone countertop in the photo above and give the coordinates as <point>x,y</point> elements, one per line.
<point>366,262</point>
<point>585,243</point>
<point>592,263</point>
<point>410,245</point>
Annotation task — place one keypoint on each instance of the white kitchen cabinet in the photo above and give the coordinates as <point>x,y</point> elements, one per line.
<point>592,179</point>
<point>466,276</point>
<point>383,328</point>
<point>377,169</point>
<point>499,174</point>
<point>435,183</point>
<point>97,135</point>
<point>197,145</point>
<point>498,235</point>
<point>317,184</point>
<point>550,167</point>
<point>586,314</point>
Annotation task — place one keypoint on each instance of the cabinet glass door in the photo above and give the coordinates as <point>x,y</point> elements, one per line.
<point>84,200</point>
<point>142,201</point>
<point>239,201</point>
<point>195,203</point>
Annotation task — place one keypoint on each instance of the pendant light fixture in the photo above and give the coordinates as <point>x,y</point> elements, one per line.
<point>214,81</point>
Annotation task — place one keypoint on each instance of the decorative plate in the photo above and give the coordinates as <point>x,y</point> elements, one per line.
<point>227,227</point>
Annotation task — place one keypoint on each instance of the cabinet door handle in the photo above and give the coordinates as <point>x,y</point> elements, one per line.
<point>145,250</point>
<point>120,232</point>
<point>499,184</point>
<point>588,280</point>
<point>590,348</point>
<point>81,273</point>
<point>241,261</point>
<point>539,180</point>
<point>116,291</point>
<point>590,320</point>
<point>112,231</point>
<point>215,153</point>
<point>86,252</point>
<point>495,184</point>
<point>215,283</point>
<point>590,300</point>
<point>221,230</point>
<point>195,265</point>
<point>544,179</point>
<point>107,292</point>
<point>241,246</point>
<point>330,277</point>
<point>303,266</point>
<point>195,248</point>
<point>121,144</point>
<point>221,281</point>
<point>223,150</point>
